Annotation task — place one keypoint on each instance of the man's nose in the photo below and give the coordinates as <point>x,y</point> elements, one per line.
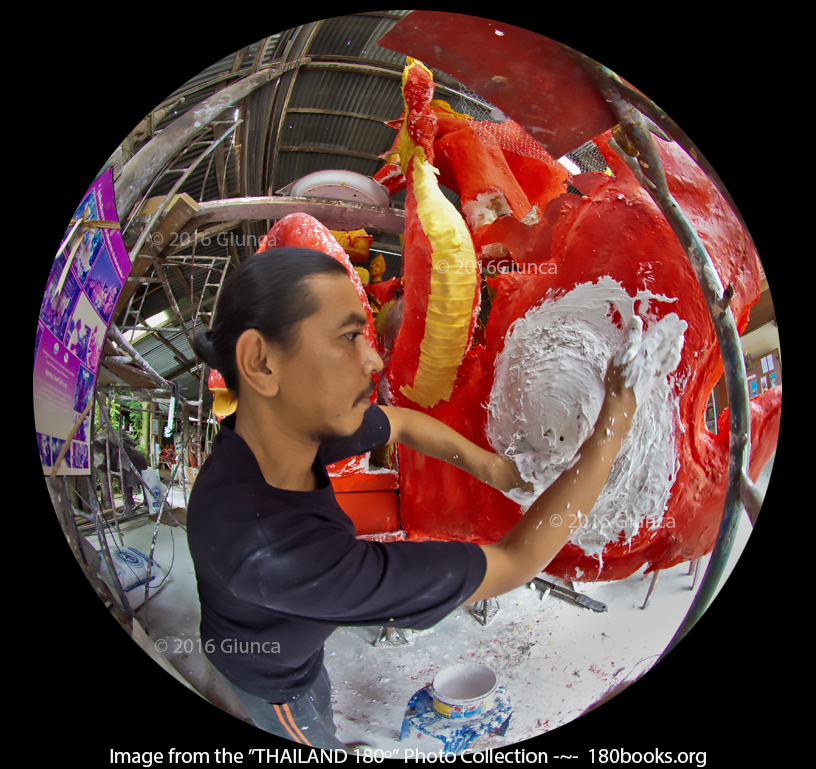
<point>372,362</point>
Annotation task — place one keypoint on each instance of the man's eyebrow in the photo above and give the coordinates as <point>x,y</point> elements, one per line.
<point>353,319</point>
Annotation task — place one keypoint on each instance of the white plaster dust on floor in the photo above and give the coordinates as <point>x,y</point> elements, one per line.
<point>555,659</point>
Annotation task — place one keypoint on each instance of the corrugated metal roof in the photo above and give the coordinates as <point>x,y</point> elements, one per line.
<point>343,132</point>
<point>362,92</point>
<point>336,106</point>
<point>356,35</point>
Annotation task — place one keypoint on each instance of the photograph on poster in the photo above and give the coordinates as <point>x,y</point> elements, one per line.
<point>84,389</point>
<point>57,308</point>
<point>79,454</point>
<point>91,238</point>
<point>93,244</point>
<point>103,286</point>
<point>85,333</point>
<point>56,447</point>
<point>87,208</point>
<point>83,431</point>
<point>44,445</point>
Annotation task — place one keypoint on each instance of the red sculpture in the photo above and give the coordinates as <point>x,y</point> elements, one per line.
<point>224,401</point>
<point>518,212</point>
<point>613,229</point>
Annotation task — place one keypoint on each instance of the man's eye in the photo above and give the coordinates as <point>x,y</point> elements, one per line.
<point>353,335</point>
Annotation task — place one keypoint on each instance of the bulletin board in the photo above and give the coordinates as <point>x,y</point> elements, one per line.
<point>764,372</point>
<point>86,278</point>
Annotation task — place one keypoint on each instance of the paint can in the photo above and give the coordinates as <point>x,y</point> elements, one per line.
<point>464,691</point>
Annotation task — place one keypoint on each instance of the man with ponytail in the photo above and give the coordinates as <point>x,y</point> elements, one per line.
<point>277,561</point>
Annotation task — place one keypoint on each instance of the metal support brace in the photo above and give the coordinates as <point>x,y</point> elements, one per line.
<point>485,611</point>
<point>157,266</point>
<point>116,336</point>
<point>649,171</point>
<point>652,586</point>
<point>392,636</point>
<point>104,550</point>
<point>61,499</point>
<point>695,568</point>
<point>156,534</point>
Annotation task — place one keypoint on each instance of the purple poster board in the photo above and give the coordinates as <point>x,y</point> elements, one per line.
<point>71,329</point>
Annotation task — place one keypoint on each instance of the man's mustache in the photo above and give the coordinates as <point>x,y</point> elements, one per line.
<point>368,392</point>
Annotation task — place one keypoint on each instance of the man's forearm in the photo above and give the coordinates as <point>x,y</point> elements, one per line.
<point>434,439</point>
<point>561,508</point>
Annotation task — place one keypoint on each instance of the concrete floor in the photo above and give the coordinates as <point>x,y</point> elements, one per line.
<point>556,659</point>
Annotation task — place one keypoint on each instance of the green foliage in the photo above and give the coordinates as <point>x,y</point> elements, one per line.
<point>126,415</point>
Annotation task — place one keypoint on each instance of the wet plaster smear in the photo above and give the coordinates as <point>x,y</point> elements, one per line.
<point>548,392</point>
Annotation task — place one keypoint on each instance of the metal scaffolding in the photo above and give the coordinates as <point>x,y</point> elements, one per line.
<point>126,376</point>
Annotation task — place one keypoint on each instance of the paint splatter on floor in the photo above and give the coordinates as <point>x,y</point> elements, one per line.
<point>556,659</point>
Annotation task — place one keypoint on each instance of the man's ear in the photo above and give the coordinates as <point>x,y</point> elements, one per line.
<point>257,363</point>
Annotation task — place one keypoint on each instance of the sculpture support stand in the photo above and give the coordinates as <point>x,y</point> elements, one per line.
<point>392,636</point>
<point>485,611</point>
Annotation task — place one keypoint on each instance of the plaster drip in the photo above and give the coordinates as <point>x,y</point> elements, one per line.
<point>548,392</point>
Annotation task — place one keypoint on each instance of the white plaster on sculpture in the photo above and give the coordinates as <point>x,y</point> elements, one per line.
<point>548,392</point>
<point>356,465</point>
<point>485,208</point>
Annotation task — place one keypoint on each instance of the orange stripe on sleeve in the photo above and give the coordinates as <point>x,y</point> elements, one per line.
<point>285,725</point>
<point>294,725</point>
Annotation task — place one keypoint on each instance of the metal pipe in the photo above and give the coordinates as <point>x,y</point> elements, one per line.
<point>105,550</point>
<point>651,175</point>
<point>131,350</point>
<point>154,220</point>
<point>150,159</point>
<point>663,122</point>
<point>751,498</point>
<point>152,329</point>
<point>171,296</point>
<point>118,359</point>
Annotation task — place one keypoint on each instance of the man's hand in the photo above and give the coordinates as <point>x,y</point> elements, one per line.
<point>641,361</point>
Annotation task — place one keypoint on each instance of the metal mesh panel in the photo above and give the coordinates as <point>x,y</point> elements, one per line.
<point>493,127</point>
<point>588,158</point>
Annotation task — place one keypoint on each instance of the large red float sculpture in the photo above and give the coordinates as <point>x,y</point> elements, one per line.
<point>611,238</point>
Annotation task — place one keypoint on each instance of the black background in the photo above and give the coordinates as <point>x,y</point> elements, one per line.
<point>88,688</point>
